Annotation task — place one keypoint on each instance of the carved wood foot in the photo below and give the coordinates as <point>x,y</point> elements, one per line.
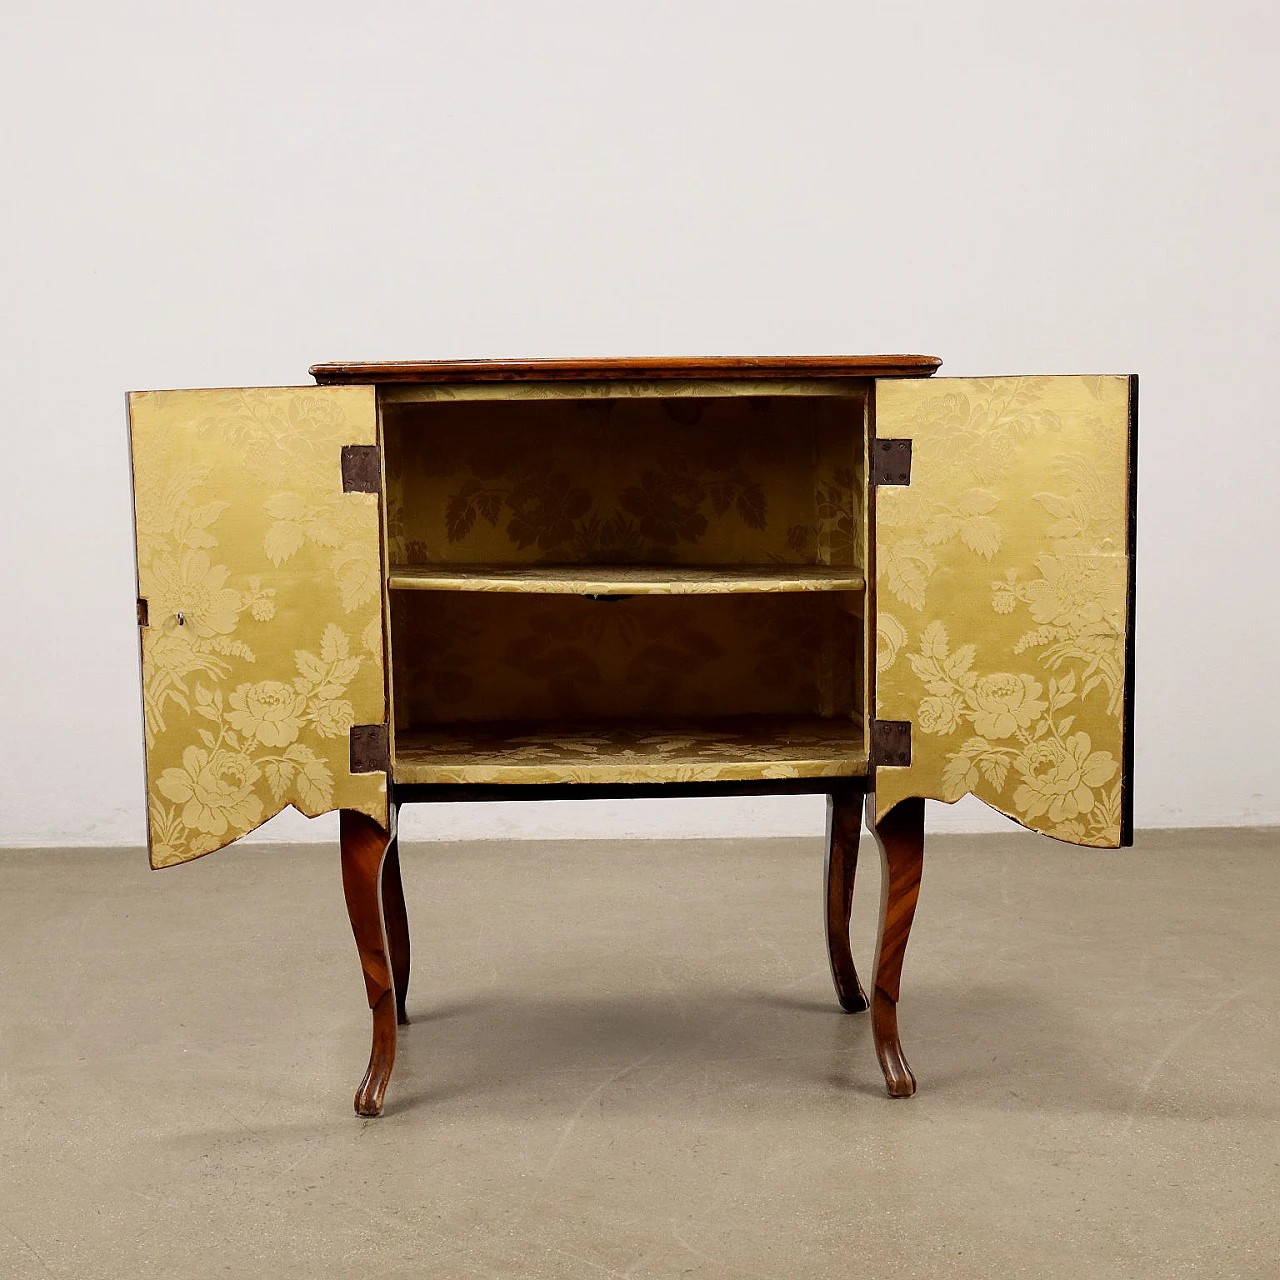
<point>396,920</point>
<point>382,1057</point>
<point>844,825</point>
<point>900,835</point>
<point>364,846</point>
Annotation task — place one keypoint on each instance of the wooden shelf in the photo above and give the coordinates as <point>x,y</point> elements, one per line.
<point>627,579</point>
<point>737,749</point>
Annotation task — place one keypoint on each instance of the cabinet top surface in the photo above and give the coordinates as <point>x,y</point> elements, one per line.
<point>655,367</point>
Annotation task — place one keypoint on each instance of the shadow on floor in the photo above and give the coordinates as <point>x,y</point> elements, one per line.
<point>999,1046</point>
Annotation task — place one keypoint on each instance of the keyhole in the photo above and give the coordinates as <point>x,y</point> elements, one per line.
<point>181,620</point>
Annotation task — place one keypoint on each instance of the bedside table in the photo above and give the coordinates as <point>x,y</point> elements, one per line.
<point>473,580</point>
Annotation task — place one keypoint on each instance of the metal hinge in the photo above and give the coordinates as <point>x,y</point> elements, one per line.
<point>891,743</point>
<point>891,462</point>
<point>143,613</point>
<point>370,749</point>
<point>361,468</point>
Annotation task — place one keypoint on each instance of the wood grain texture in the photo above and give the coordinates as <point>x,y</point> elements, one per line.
<point>395,918</point>
<point>364,846</point>
<point>900,835</point>
<point>844,825</point>
<point>628,579</point>
<point>664,368</point>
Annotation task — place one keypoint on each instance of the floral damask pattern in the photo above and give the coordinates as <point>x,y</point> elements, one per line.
<point>730,479</point>
<point>701,751</point>
<point>1012,535</point>
<point>482,656</point>
<point>726,750</point>
<point>660,580</point>
<point>263,643</point>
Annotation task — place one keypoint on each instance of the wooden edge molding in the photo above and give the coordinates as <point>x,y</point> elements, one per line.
<point>644,367</point>
<point>1130,664</point>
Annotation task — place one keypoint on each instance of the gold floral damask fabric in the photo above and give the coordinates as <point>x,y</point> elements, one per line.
<point>1001,597</point>
<point>736,749</point>
<point>263,583</point>
<point>653,580</point>
<point>462,656</point>
<point>636,480</point>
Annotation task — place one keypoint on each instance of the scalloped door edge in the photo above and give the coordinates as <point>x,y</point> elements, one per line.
<point>1003,592</point>
<point>262,630</point>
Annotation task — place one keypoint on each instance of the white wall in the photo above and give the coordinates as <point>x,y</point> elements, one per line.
<point>203,195</point>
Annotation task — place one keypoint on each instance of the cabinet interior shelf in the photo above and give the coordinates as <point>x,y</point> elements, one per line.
<point>612,751</point>
<point>626,579</point>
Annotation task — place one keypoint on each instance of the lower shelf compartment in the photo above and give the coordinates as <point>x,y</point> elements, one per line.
<point>731,750</point>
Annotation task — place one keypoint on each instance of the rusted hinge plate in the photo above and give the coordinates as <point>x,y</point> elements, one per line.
<point>891,743</point>
<point>891,462</point>
<point>370,749</point>
<point>361,468</point>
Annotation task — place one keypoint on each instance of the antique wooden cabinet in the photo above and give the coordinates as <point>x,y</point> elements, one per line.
<point>461,580</point>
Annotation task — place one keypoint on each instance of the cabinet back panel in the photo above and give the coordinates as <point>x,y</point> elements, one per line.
<point>717,480</point>
<point>479,656</point>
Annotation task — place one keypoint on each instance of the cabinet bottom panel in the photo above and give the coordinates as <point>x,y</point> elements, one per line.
<point>594,751</point>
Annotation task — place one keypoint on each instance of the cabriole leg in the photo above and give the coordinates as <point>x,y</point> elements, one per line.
<point>844,825</point>
<point>900,835</point>
<point>364,846</point>
<point>396,919</point>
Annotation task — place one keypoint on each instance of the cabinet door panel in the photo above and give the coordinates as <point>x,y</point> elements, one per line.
<point>1003,598</point>
<point>260,595</point>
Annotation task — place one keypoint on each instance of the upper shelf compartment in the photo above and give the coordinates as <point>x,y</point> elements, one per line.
<point>628,579</point>
<point>723,480</point>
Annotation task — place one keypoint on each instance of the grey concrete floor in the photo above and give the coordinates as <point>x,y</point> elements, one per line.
<point>626,1060</point>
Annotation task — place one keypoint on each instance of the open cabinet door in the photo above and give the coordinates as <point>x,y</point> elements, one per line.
<point>259,609</point>
<point>1004,598</point>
